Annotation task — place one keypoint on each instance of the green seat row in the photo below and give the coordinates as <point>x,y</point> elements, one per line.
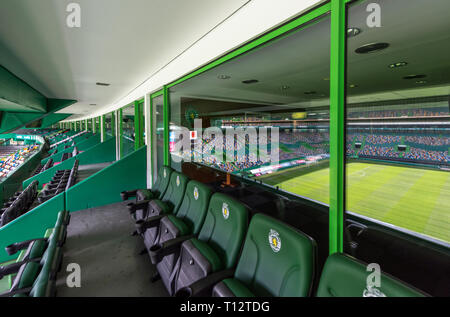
<point>202,245</point>
<point>34,272</point>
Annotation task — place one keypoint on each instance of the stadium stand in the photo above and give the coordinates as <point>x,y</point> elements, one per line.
<point>18,204</point>
<point>61,181</point>
<point>13,157</point>
<point>42,168</point>
<point>295,144</point>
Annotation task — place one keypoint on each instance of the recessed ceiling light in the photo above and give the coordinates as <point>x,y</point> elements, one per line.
<point>415,76</point>
<point>421,82</point>
<point>102,84</point>
<point>250,81</point>
<point>351,32</point>
<point>398,64</point>
<point>353,86</point>
<point>224,77</point>
<point>310,92</point>
<point>92,104</point>
<point>372,47</point>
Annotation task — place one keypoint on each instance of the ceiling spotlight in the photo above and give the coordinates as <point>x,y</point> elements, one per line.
<point>224,77</point>
<point>421,82</point>
<point>310,92</point>
<point>353,86</point>
<point>372,47</point>
<point>399,64</point>
<point>250,81</point>
<point>351,32</point>
<point>415,76</point>
<point>102,84</point>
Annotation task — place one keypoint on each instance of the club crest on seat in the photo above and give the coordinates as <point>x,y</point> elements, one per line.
<point>274,240</point>
<point>225,210</point>
<point>196,193</point>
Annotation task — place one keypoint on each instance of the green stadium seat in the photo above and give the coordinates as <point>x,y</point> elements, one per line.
<point>212,256</point>
<point>36,271</point>
<point>175,229</point>
<point>156,209</point>
<point>137,209</point>
<point>344,276</point>
<point>277,260</point>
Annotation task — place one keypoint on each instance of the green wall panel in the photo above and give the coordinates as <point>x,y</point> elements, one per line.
<point>105,186</point>
<point>15,91</point>
<point>54,118</point>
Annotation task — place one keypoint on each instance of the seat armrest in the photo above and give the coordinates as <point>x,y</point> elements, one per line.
<point>128,194</point>
<point>15,292</point>
<point>132,207</point>
<point>204,286</point>
<point>14,267</point>
<point>14,247</point>
<point>144,224</point>
<point>158,251</point>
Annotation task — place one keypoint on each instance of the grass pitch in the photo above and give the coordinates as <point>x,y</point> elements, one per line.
<point>411,198</point>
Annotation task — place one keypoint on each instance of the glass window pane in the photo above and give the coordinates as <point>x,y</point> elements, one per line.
<point>108,125</point>
<point>263,116</point>
<point>128,135</point>
<point>398,131</point>
<point>398,137</point>
<point>158,130</point>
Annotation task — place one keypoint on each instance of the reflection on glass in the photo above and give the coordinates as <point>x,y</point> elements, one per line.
<point>264,115</point>
<point>108,125</point>
<point>398,121</point>
<point>158,130</point>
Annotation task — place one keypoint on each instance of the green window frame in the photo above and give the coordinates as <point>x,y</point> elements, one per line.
<point>337,9</point>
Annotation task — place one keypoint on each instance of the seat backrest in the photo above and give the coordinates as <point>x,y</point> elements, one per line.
<point>194,205</point>
<point>162,181</point>
<point>277,259</point>
<point>224,227</point>
<point>175,190</point>
<point>344,276</point>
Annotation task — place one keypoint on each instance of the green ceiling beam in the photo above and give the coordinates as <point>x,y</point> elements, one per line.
<point>53,118</point>
<point>21,104</point>
<point>16,95</point>
<point>11,121</point>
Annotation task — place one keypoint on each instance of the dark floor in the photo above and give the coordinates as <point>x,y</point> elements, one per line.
<point>99,240</point>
